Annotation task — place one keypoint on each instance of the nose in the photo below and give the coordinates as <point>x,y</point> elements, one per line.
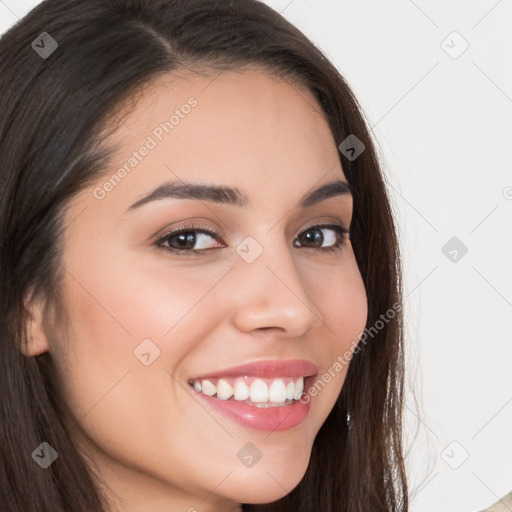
<point>269,293</point>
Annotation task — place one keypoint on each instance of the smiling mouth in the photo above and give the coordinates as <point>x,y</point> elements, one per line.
<point>255,391</point>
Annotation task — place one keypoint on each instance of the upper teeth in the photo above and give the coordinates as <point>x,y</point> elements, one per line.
<point>259,390</point>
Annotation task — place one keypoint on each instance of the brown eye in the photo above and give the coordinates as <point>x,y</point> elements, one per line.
<point>185,240</point>
<point>188,239</point>
<point>312,236</point>
<point>324,237</point>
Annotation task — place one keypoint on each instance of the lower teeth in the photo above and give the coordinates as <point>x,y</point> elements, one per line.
<point>263,405</point>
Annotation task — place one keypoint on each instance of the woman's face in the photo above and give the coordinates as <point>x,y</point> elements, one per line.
<point>147,321</point>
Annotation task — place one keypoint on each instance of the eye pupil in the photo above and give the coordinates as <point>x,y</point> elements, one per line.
<point>312,235</point>
<point>185,240</point>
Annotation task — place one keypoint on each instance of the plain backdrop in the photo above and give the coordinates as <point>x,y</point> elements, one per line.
<point>434,79</point>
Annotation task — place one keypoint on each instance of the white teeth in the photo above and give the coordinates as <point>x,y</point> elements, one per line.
<point>224,390</point>
<point>208,388</point>
<point>290,390</point>
<point>299,388</point>
<point>277,391</point>
<point>241,390</point>
<point>258,392</point>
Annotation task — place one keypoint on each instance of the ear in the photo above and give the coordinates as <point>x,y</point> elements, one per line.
<point>37,340</point>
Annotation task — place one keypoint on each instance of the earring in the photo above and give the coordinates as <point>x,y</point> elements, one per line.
<point>349,424</point>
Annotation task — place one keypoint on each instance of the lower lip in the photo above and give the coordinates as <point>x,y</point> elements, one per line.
<point>271,419</point>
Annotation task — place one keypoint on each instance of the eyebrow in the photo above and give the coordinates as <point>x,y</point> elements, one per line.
<point>233,196</point>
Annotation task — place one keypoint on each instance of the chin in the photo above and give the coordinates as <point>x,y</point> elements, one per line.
<point>267,484</point>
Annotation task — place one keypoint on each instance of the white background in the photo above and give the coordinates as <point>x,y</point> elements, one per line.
<point>444,131</point>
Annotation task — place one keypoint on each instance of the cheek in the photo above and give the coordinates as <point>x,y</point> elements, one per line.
<point>350,320</point>
<point>105,384</point>
<point>342,301</point>
<point>114,310</point>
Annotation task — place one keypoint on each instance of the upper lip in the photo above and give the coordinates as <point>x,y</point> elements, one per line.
<point>269,369</point>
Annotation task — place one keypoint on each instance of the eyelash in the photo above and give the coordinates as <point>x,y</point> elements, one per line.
<point>187,228</point>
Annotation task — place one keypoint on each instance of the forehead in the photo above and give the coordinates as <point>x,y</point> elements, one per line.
<point>248,128</point>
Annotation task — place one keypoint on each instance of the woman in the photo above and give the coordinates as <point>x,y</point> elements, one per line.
<point>199,271</point>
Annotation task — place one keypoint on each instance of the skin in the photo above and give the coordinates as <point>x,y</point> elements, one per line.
<point>155,446</point>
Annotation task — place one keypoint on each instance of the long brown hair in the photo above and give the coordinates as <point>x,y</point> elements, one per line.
<point>54,107</point>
